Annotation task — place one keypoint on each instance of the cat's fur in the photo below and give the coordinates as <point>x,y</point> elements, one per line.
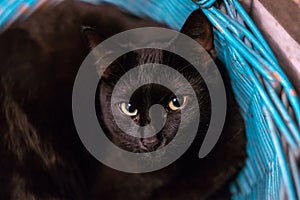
<point>41,154</point>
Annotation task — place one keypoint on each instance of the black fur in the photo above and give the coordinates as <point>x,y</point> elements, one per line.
<point>42,156</point>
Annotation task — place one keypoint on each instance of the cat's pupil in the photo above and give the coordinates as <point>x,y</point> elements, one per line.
<point>130,108</point>
<point>177,101</point>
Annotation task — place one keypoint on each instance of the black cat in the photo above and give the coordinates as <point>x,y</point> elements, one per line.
<point>42,156</point>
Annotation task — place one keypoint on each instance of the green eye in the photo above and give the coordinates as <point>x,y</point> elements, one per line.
<point>128,109</point>
<point>177,103</point>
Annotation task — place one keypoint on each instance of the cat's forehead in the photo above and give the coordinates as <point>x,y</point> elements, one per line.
<point>149,74</point>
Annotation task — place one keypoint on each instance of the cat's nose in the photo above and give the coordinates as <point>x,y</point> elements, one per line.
<point>150,143</point>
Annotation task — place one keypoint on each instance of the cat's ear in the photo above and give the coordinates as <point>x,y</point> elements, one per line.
<point>198,27</point>
<point>91,36</point>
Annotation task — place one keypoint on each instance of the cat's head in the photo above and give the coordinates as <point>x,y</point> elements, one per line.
<point>139,108</point>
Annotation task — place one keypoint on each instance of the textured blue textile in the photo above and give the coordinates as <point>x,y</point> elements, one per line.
<point>262,90</point>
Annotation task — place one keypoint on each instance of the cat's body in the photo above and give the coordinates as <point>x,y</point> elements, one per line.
<point>42,156</point>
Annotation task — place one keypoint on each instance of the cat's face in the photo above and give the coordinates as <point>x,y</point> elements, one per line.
<point>139,108</point>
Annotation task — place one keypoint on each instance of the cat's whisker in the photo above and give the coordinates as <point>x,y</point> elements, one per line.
<point>185,67</point>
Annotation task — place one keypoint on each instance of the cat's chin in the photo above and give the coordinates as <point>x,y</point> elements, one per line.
<point>143,149</point>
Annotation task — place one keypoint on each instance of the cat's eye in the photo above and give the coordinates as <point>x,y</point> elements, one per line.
<point>178,102</point>
<point>128,109</point>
